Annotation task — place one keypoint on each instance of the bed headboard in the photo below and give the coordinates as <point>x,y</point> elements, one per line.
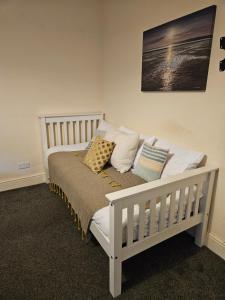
<point>68,129</point>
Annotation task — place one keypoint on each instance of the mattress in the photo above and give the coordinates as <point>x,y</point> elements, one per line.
<point>101,217</point>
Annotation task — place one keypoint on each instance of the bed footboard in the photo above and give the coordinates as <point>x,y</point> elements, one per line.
<point>199,184</point>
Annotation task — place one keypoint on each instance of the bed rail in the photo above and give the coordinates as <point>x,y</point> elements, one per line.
<point>67,129</point>
<point>195,191</point>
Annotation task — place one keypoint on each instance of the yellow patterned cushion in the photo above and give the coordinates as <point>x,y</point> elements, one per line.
<point>99,154</point>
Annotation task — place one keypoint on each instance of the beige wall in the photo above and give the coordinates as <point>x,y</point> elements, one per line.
<point>49,63</point>
<point>66,56</point>
<point>194,120</point>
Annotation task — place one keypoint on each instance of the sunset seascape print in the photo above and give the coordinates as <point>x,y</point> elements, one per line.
<point>176,54</point>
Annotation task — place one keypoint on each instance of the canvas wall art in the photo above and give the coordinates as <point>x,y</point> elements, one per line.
<point>176,54</point>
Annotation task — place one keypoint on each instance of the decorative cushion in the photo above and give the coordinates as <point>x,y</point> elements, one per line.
<point>147,139</point>
<point>125,150</point>
<point>99,154</point>
<point>98,134</point>
<point>100,131</point>
<point>142,138</point>
<point>181,159</point>
<point>151,162</point>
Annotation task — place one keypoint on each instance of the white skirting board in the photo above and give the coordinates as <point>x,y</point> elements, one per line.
<point>216,245</point>
<point>19,182</point>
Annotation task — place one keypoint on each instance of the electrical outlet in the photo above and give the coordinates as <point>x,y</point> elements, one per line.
<point>23,165</point>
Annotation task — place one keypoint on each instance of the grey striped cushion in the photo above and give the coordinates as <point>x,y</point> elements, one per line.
<point>151,162</point>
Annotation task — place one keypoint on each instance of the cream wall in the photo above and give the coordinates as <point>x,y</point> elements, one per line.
<point>49,63</point>
<point>195,120</point>
<point>85,55</point>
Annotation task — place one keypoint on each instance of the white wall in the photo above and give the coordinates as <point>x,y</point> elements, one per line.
<point>192,119</point>
<point>49,63</point>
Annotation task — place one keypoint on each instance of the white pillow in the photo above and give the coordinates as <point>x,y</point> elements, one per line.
<point>105,126</point>
<point>127,130</point>
<point>148,139</point>
<point>124,152</point>
<point>142,137</point>
<point>181,159</point>
<point>110,135</point>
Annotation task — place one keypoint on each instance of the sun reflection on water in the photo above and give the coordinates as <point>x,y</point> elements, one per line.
<point>167,75</point>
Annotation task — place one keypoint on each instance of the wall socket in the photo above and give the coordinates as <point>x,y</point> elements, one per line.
<point>23,165</point>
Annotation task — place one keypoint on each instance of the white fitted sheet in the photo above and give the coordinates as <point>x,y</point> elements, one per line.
<point>101,217</point>
<point>67,148</point>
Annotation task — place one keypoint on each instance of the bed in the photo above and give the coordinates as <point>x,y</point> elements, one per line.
<point>137,217</point>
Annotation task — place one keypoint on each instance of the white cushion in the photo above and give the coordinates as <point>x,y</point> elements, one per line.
<point>148,139</point>
<point>145,137</point>
<point>111,135</point>
<point>125,150</point>
<point>181,160</point>
<point>127,130</point>
<point>131,131</point>
<point>105,126</point>
<point>142,137</point>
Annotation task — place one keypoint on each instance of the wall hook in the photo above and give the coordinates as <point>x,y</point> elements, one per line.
<point>222,43</point>
<point>222,46</point>
<point>222,65</point>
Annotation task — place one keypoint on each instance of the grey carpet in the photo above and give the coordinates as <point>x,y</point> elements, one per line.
<point>42,256</point>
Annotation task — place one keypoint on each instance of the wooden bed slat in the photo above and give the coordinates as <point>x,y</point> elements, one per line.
<point>189,202</point>
<point>181,205</point>
<point>83,132</point>
<point>130,224</point>
<point>141,227</point>
<point>52,135</point>
<point>58,129</point>
<point>88,130</point>
<point>162,213</point>
<point>65,134</point>
<point>197,198</point>
<point>77,132</point>
<point>74,126</point>
<point>152,228</point>
<point>70,133</point>
<point>172,208</point>
<point>94,126</point>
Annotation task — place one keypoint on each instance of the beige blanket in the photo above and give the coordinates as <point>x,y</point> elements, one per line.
<point>84,189</point>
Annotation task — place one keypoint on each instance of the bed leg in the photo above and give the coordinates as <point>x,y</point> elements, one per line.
<point>200,235</point>
<point>115,276</point>
<point>201,229</point>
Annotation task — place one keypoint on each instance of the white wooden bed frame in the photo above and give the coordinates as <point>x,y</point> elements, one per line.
<point>76,128</point>
<point>67,129</point>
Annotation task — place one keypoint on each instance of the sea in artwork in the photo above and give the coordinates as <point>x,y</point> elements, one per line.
<point>177,67</point>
